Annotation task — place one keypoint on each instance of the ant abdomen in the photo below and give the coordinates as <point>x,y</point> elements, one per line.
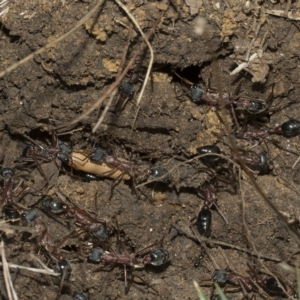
<point>290,128</point>
<point>209,149</point>
<point>55,206</point>
<point>256,107</point>
<point>157,172</point>
<point>7,172</point>
<point>159,257</point>
<point>10,213</point>
<point>271,286</point>
<point>25,152</point>
<point>80,296</point>
<point>203,222</point>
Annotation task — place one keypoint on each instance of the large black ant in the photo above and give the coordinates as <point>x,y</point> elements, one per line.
<point>288,129</point>
<point>128,168</point>
<point>8,185</point>
<point>127,89</point>
<point>252,106</point>
<point>255,162</point>
<point>156,257</point>
<point>249,284</point>
<point>204,218</point>
<point>62,266</point>
<point>80,216</point>
<point>37,153</point>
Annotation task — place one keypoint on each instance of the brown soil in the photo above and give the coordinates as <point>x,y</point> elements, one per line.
<point>61,83</point>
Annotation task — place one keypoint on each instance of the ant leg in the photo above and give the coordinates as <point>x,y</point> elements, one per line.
<point>145,283</point>
<point>114,184</point>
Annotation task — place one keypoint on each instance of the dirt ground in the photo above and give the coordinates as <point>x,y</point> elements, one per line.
<point>62,82</point>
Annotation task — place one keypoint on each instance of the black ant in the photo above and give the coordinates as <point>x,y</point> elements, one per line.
<point>252,106</point>
<point>8,185</point>
<point>138,259</point>
<point>37,153</point>
<point>156,257</point>
<point>80,216</point>
<point>288,129</point>
<point>255,162</point>
<point>128,168</point>
<point>127,89</point>
<point>199,258</point>
<point>62,266</point>
<point>250,284</point>
<point>204,218</point>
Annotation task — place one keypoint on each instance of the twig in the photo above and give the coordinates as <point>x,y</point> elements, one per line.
<point>46,270</point>
<point>32,55</point>
<point>12,295</point>
<point>224,244</point>
<point>42,271</point>
<point>148,44</point>
<point>282,13</point>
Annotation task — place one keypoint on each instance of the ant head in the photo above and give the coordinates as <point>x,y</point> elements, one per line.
<point>196,94</point>
<point>127,89</point>
<point>7,172</point>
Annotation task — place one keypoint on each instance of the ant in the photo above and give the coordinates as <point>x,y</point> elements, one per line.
<point>288,129</point>
<point>81,217</point>
<point>157,172</point>
<point>156,257</point>
<point>8,189</point>
<point>204,218</point>
<point>198,96</point>
<point>255,162</point>
<point>199,258</point>
<point>8,204</point>
<point>80,296</point>
<point>62,266</point>
<point>138,259</point>
<point>127,89</point>
<point>250,284</point>
<point>128,168</point>
<point>38,152</point>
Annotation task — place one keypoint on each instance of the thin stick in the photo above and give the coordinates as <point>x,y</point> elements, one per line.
<point>148,44</point>
<point>212,241</point>
<point>7,278</point>
<point>32,55</point>
<point>118,81</point>
<point>42,271</point>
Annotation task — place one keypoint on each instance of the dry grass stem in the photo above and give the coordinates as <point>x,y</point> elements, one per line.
<point>12,295</point>
<point>148,44</point>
